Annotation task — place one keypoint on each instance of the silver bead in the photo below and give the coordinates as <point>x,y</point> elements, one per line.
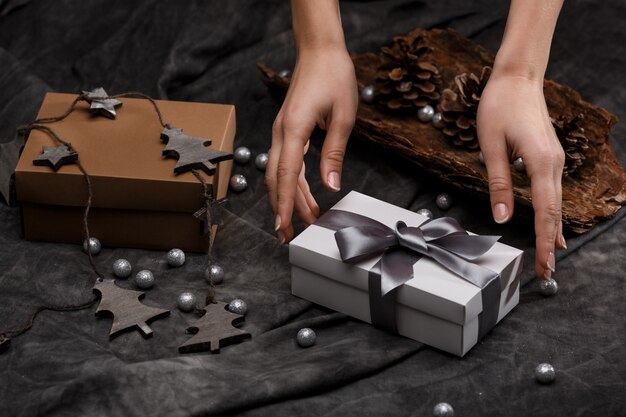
<point>92,245</point>
<point>368,94</point>
<point>186,301</point>
<point>544,373</point>
<point>444,201</point>
<point>175,257</point>
<point>215,274</point>
<point>481,158</point>
<point>425,114</point>
<point>284,73</point>
<point>425,212</point>
<point>261,161</point>
<point>548,287</point>
<point>238,183</point>
<point>122,268</point>
<point>519,166</point>
<point>437,120</point>
<point>242,155</point>
<point>306,337</point>
<point>144,279</point>
<point>443,410</point>
<point>238,306</point>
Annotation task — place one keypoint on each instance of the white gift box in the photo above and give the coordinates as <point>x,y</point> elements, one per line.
<point>435,307</point>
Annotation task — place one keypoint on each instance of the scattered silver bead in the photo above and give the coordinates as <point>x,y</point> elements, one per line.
<point>122,268</point>
<point>186,301</point>
<point>437,120</point>
<point>425,114</point>
<point>306,337</point>
<point>144,279</point>
<point>519,166</point>
<point>261,161</point>
<point>444,201</point>
<point>284,73</point>
<point>544,373</point>
<point>368,94</point>
<point>175,257</point>
<point>92,245</point>
<point>238,183</point>
<point>443,410</point>
<point>481,158</point>
<point>242,155</point>
<point>548,287</point>
<point>238,306</point>
<point>425,212</point>
<point>215,274</point>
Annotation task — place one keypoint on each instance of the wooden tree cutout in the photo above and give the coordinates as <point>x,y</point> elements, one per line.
<point>191,152</point>
<point>126,308</point>
<point>214,330</point>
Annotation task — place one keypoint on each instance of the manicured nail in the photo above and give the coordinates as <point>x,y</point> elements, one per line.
<point>547,274</point>
<point>563,243</point>
<point>500,213</point>
<point>281,237</point>
<point>551,262</point>
<point>277,223</point>
<point>333,181</point>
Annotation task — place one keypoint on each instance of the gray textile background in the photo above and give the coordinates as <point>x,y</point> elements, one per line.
<point>206,51</point>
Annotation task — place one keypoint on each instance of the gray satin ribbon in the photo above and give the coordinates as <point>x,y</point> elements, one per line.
<point>442,240</point>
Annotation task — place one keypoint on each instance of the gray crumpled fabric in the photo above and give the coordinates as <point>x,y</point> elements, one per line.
<point>206,51</point>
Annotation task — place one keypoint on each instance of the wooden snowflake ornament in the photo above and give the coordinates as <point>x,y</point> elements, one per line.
<point>191,152</point>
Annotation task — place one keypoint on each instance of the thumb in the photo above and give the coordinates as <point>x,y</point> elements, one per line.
<point>499,173</point>
<point>334,149</point>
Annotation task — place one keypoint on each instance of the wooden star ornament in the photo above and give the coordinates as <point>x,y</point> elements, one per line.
<point>192,153</point>
<point>101,106</point>
<point>55,157</point>
<point>212,216</point>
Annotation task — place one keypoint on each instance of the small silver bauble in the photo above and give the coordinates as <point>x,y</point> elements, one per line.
<point>238,306</point>
<point>238,183</point>
<point>425,114</point>
<point>242,155</point>
<point>548,287</point>
<point>284,73</point>
<point>425,212</point>
<point>306,337</point>
<point>437,120</point>
<point>544,373</point>
<point>519,166</point>
<point>122,268</point>
<point>186,301</point>
<point>144,279</point>
<point>443,410</point>
<point>175,257</point>
<point>481,158</point>
<point>92,245</point>
<point>368,94</point>
<point>444,201</point>
<point>215,274</point>
<point>261,161</point>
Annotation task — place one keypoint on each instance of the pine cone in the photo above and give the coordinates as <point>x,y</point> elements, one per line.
<point>459,106</point>
<point>573,141</point>
<point>405,80</point>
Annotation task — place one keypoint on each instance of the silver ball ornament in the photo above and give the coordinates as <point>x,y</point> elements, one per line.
<point>186,301</point>
<point>242,155</point>
<point>437,120</point>
<point>238,183</point>
<point>425,114</point>
<point>238,306</point>
<point>144,279</point>
<point>548,287</point>
<point>368,94</point>
<point>444,201</point>
<point>425,212</point>
<point>122,268</point>
<point>92,245</point>
<point>175,257</point>
<point>544,373</point>
<point>284,73</point>
<point>443,410</point>
<point>519,166</point>
<point>261,161</point>
<point>215,274</point>
<point>306,337</point>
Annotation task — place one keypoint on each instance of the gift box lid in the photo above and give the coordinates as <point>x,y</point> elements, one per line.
<point>123,157</point>
<point>433,289</point>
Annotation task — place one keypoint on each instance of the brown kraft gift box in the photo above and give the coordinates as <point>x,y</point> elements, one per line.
<point>138,200</point>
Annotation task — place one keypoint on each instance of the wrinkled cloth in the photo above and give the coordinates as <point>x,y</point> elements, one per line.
<point>207,51</point>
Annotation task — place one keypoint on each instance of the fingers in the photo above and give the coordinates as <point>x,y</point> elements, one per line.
<point>334,149</point>
<point>306,206</point>
<point>499,172</point>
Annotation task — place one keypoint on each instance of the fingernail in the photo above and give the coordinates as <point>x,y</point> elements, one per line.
<point>563,243</point>
<point>277,223</point>
<point>551,262</point>
<point>500,213</point>
<point>547,274</point>
<point>333,181</point>
<point>281,237</point>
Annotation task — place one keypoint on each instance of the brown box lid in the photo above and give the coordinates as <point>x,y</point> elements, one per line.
<point>123,157</point>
